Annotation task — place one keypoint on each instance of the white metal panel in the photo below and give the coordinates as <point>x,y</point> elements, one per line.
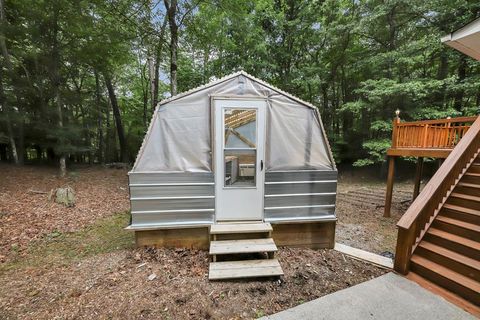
<point>466,39</point>
<point>239,203</point>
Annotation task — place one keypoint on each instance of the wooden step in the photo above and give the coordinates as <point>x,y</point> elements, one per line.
<point>461,213</point>
<point>474,168</point>
<point>242,246</point>
<point>462,264</point>
<point>465,196</point>
<point>244,269</point>
<point>446,294</point>
<point>469,185</point>
<point>464,246</point>
<point>471,177</point>
<point>447,278</point>
<point>464,200</point>
<point>233,228</point>
<point>468,188</point>
<point>458,227</point>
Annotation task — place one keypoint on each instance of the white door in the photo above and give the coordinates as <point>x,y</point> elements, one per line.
<point>239,159</point>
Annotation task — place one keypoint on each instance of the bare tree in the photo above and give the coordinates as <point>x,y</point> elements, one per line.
<point>171,6</point>
<point>118,118</point>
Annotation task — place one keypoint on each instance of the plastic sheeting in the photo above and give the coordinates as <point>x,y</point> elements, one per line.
<point>179,137</point>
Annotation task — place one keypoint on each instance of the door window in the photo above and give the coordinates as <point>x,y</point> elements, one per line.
<point>240,147</point>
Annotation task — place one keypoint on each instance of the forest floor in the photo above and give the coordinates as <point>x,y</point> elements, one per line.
<point>360,206</point>
<point>79,262</point>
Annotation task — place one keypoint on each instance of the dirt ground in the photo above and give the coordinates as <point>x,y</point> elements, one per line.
<point>26,214</point>
<point>78,262</point>
<point>360,206</point>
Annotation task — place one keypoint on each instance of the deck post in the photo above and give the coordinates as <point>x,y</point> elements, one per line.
<point>418,177</point>
<point>390,178</point>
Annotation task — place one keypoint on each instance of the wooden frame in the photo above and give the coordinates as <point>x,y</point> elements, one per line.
<point>317,235</point>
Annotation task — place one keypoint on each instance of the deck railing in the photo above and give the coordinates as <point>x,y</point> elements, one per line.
<point>418,217</point>
<point>433,134</point>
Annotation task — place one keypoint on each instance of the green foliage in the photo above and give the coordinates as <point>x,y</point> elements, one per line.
<point>376,149</point>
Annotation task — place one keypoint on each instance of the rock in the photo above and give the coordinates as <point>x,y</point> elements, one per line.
<point>65,196</point>
<point>387,254</point>
<point>152,277</point>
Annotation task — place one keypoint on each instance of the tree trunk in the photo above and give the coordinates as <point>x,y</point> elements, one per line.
<point>158,54</point>
<point>100,118</point>
<point>107,133</point>
<point>56,87</point>
<point>117,117</point>
<point>6,110</point>
<point>462,72</point>
<point>172,13</point>
<point>3,98</point>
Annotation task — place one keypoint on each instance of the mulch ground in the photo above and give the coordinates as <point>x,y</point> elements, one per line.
<point>27,215</point>
<point>117,285</point>
<point>114,282</point>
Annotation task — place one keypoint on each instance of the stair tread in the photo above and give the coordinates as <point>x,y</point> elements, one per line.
<point>447,273</point>
<point>231,228</point>
<point>458,223</point>
<point>465,196</point>
<point>473,174</point>
<point>461,209</point>
<point>454,238</point>
<point>242,246</point>
<point>445,293</point>
<point>244,269</point>
<point>475,264</point>
<point>469,185</point>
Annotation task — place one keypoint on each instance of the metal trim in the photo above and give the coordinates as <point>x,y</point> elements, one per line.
<point>173,198</point>
<point>328,218</point>
<point>310,170</point>
<point>301,182</point>
<point>180,184</point>
<point>173,211</point>
<point>296,207</point>
<point>300,194</point>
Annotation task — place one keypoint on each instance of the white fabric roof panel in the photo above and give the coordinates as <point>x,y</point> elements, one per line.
<point>179,137</point>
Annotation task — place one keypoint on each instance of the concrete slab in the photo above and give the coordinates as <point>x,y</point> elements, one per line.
<point>389,297</point>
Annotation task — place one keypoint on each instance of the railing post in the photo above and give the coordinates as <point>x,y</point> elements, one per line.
<point>405,241</point>
<point>396,121</point>
<point>425,136</point>
<point>389,191</point>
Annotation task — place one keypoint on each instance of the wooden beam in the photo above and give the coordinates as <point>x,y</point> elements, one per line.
<point>419,152</point>
<point>242,138</point>
<point>390,178</point>
<point>418,177</point>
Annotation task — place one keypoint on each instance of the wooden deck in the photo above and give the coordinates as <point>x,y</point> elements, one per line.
<point>423,139</point>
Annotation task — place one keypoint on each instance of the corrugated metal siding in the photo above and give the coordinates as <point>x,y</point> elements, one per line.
<point>169,199</point>
<point>188,199</point>
<point>300,195</point>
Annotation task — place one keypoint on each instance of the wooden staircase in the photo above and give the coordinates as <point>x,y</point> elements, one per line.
<point>242,250</point>
<point>438,242</point>
<point>449,253</point>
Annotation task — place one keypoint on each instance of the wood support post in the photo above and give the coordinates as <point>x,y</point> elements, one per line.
<point>418,177</point>
<point>390,178</point>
